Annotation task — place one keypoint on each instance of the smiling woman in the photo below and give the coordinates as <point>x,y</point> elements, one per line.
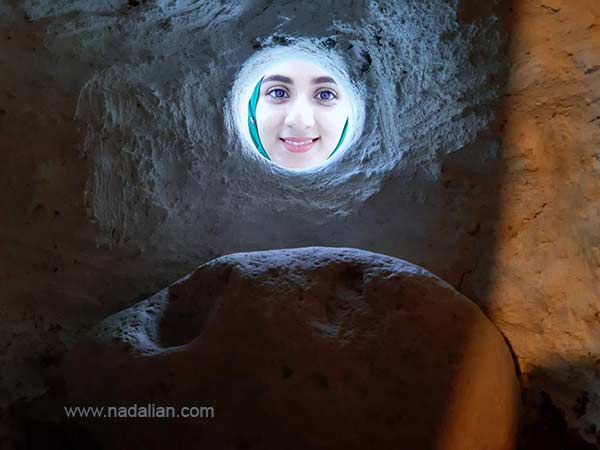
<point>296,112</point>
<point>298,116</point>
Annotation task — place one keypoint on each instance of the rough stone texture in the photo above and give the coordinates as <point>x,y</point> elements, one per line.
<point>113,114</point>
<point>426,184</point>
<point>318,348</point>
<point>543,287</point>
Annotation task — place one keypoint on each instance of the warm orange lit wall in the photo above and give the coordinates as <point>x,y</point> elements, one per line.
<point>424,193</point>
<point>544,292</point>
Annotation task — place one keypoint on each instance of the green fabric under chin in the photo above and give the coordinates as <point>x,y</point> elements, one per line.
<point>252,125</point>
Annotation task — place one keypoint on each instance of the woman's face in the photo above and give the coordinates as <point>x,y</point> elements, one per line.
<point>300,114</point>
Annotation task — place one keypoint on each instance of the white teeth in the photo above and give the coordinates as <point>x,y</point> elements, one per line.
<point>298,144</point>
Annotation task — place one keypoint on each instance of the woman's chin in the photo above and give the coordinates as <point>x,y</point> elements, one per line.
<point>305,160</point>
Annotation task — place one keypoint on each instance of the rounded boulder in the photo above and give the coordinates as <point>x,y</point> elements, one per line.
<point>308,348</point>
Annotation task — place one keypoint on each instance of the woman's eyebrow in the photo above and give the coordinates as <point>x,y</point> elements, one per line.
<point>284,79</point>
<point>279,78</point>
<point>324,79</point>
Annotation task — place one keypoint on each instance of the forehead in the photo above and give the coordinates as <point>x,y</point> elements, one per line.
<point>300,70</point>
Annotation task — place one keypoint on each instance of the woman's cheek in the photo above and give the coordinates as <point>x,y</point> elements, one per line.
<point>330,122</point>
<point>267,120</point>
<point>274,124</point>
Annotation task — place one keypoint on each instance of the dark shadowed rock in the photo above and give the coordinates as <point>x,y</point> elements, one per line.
<point>309,348</point>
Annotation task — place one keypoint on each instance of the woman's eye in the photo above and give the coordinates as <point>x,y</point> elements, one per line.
<point>279,93</point>
<point>326,95</point>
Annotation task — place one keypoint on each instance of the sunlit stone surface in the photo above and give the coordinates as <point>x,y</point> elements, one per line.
<point>478,161</point>
<point>316,348</point>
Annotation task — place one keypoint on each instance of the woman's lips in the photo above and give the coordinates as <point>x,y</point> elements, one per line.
<point>298,145</point>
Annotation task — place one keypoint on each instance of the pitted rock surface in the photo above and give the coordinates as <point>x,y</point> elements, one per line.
<point>308,348</point>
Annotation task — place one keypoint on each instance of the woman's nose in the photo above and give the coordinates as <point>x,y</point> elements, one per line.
<point>300,115</point>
